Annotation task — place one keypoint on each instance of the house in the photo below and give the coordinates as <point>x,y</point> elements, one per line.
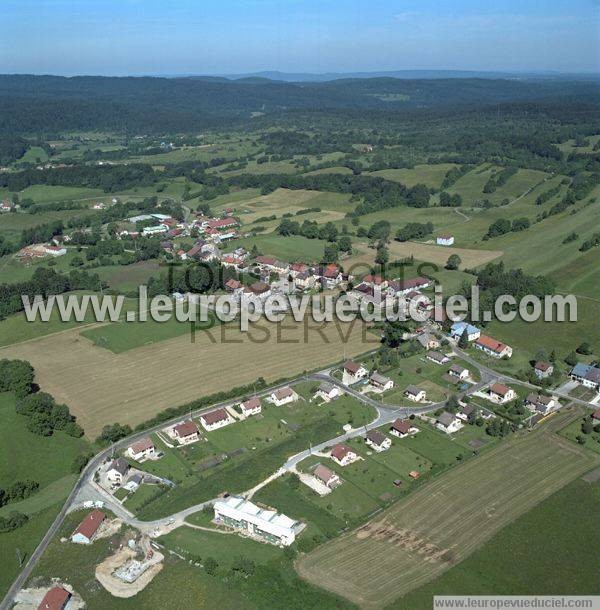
<point>377,440</point>
<point>540,403</point>
<point>369,294</point>
<point>458,328</point>
<point>220,224</point>
<point>233,285</point>
<point>330,276</point>
<point>246,517</point>
<point>493,348</point>
<point>55,599</point>
<point>543,369</point>
<point>398,287</point>
<point>448,422</point>
<point>6,206</point>
<point>379,383</point>
<point>133,482</point>
<point>328,391</point>
<point>305,280</point>
<point>326,476</point>
<point>596,417</point>
<point>270,263</point>
<point>283,396</point>
<point>467,412</point>
<point>501,393</point>
<point>260,289</point>
<point>415,393</point>
<point>231,261</point>
<point>459,372</point>
<point>428,341</point>
<point>155,230</point>
<point>438,357</point>
<point>186,432</point>
<point>88,528</point>
<point>353,372</point>
<point>587,375</point>
<point>343,455</point>
<point>445,240</point>
<point>216,419</point>
<point>297,269</point>
<point>375,280</point>
<point>141,449</point>
<point>402,428</point>
<point>117,470</point>
<point>251,406</point>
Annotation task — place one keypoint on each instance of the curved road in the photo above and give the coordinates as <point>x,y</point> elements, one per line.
<point>385,414</point>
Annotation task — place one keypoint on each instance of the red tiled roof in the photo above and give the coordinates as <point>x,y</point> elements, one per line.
<point>233,284</point>
<point>186,428</point>
<point>89,526</point>
<point>542,366</point>
<point>214,417</point>
<point>251,404</point>
<point>500,389</point>
<point>142,445</point>
<point>55,599</point>
<point>352,367</point>
<point>402,425</point>
<point>339,452</point>
<point>491,344</point>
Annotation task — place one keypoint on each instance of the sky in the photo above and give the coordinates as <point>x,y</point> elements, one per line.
<point>121,37</point>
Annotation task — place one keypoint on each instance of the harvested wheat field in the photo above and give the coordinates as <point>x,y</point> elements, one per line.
<point>101,387</point>
<point>439,254</point>
<point>439,525</point>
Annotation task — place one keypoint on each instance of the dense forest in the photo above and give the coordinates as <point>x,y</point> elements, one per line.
<point>50,104</point>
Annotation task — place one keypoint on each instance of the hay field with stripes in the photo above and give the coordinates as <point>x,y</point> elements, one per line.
<point>439,525</point>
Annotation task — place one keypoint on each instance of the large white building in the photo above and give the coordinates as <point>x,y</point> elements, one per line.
<point>268,525</point>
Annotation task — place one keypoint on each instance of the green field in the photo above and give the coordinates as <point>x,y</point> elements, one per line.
<point>48,461</point>
<point>562,526</point>
<point>414,542</point>
<point>255,449</point>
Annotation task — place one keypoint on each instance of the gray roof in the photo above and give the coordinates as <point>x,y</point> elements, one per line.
<point>413,389</point>
<point>456,368</point>
<point>445,418</point>
<point>326,386</point>
<point>376,437</point>
<point>437,356</point>
<point>120,465</point>
<point>377,378</point>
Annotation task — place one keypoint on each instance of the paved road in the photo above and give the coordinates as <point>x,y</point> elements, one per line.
<point>84,489</point>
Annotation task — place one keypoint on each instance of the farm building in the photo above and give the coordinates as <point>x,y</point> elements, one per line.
<point>268,525</point>
<point>55,599</point>
<point>539,403</point>
<point>88,528</point>
<point>587,375</point>
<point>445,240</point>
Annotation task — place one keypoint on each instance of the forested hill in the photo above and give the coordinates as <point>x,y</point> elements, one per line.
<point>43,104</point>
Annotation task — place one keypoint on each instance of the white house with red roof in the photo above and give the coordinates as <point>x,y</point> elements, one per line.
<point>493,347</point>
<point>353,372</point>
<point>500,393</point>
<point>251,406</point>
<point>186,432</point>
<point>213,420</point>
<point>283,396</point>
<point>141,449</point>
<point>343,455</point>
<point>403,428</point>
